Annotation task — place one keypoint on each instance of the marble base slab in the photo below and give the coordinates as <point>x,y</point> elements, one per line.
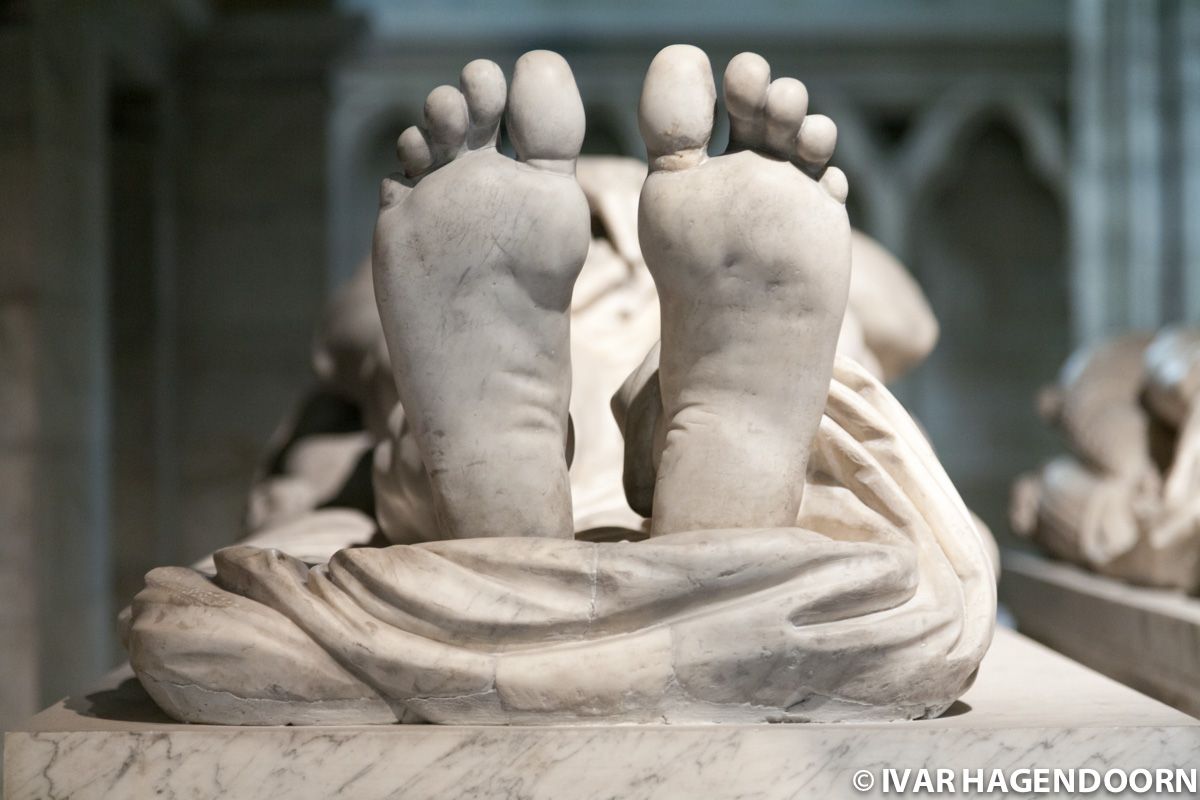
<point>1146,638</point>
<point>1030,708</point>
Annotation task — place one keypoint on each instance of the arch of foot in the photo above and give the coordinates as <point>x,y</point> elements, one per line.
<point>871,599</point>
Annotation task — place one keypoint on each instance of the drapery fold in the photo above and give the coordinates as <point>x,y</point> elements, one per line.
<point>879,604</point>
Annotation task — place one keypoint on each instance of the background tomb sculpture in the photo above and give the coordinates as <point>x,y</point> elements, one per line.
<point>1123,501</point>
<point>807,560</point>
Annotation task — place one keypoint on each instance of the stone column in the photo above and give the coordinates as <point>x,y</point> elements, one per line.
<point>1187,46</point>
<point>252,236</point>
<point>71,506</point>
<point>18,384</point>
<point>1135,116</point>
<point>56,542</point>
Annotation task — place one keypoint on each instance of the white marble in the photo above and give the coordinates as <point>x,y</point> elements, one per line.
<point>1029,708</point>
<point>1147,638</point>
<point>1125,500</point>
<point>808,557</point>
<point>751,256</point>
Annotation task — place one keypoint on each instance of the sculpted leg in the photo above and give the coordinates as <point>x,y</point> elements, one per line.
<point>751,254</point>
<point>474,267</point>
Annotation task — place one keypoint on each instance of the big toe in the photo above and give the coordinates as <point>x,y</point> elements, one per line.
<point>676,110</point>
<point>545,113</point>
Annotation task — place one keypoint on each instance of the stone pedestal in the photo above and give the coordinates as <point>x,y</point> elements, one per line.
<point>1030,708</point>
<point>1146,638</point>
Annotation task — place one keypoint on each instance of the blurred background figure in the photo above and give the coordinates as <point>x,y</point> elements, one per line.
<point>184,183</point>
<point>1124,500</point>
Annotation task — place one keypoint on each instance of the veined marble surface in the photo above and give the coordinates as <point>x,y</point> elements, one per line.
<point>1144,637</point>
<point>1030,708</point>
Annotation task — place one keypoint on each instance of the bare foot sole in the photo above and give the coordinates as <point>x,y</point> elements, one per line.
<point>475,258</point>
<point>751,254</point>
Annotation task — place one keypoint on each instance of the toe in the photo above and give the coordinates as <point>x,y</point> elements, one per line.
<point>412,148</point>
<point>834,181</point>
<point>485,90</point>
<point>446,123</point>
<point>815,142</point>
<point>746,81</point>
<point>787,103</point>
<point>677,106</point>
<point>545,113</point>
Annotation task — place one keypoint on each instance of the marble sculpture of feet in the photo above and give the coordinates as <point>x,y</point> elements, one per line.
<point>751,254</point>
<point>875,600</point>
<point>475,258</point>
